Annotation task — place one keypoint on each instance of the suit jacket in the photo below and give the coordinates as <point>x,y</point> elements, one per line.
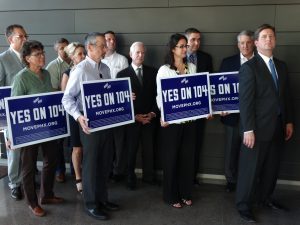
<point>229,64</point>
<point>145,101</point>
<point>204,62</point>
<point>10,65</point>
<point>260,102</point>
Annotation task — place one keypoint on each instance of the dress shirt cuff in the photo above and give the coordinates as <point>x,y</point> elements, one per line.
<point>248,131</point>
<point>76,115</point>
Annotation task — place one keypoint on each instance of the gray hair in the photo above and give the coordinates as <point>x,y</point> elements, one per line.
<point>90,39</point>
<point>248,33</point>
<point>135,44</point>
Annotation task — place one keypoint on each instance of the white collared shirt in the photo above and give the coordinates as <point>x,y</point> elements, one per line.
<point>17,53</point>
<point>86,70</point>
<point>116,63</point>
<point>266,60</point>
<point>135,68</point>
<point>243,59</point>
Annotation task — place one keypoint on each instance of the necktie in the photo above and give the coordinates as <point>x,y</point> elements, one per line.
<point>273,72</point>
<point>140,76</point>
<point>192,59</point>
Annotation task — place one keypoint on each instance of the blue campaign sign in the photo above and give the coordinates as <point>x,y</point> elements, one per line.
<point>185,97</point>
<point>4,93</point>
<point>224,90</point>
<point>107,103</point>
<point>37,118</point>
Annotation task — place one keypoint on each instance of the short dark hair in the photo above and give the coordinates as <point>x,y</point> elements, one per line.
<point>261,28</point>
<point>173,41</point>
<point>191,30</point>
<point>90,38</point>
<point>29,47</point>
<point>110,32</point>
<point>60,41</point>
<point>10,29</point>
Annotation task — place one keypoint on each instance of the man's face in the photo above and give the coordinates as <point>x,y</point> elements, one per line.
<point>17,39</point>
<point>246,45</point>
<point>266,41</point>
<point>194,40</point>
<point>110,42</point>
<point>138,55</point>
<point>97,51</point>
<point>60,48</point>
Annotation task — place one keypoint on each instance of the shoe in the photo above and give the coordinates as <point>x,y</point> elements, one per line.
<point>60,178</point>
<point>38,211</point>
<point>109,206</point>
<point>79,185</point>
<point>247,216</point>
<point>53,200</point>
<point>196,182</point>
<point>16,193</point>
<point>230,187</point>
<point>177,205</point>
<point>115,178</point>
<point>275,206</point>
<point>187,202</point>
<point>97,214</point>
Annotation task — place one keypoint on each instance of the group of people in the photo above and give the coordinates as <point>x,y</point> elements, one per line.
<point>254,138</point>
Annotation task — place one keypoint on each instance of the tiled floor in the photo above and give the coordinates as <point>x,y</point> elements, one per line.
<point>212,206</point>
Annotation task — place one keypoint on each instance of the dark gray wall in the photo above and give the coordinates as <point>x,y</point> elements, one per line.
<point>153,21</point>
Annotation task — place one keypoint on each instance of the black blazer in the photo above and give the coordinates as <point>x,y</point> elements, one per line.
<point>260,102</point>
<point>229,64</point>
<point>204,62</point>
<point>145,101</point>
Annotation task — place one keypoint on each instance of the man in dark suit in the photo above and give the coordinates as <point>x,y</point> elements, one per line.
<point>203,62</point>
<point>143,84</point>
<point>245,43</point>
<point>266,120</point>
<point>10,65</point>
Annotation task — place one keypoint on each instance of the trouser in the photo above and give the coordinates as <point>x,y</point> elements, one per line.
<point>29,156</point>
<point>232,152</point>
<point>96,166</point>
<point>258,170</point>
<point>200,126</point>
<point>137,133</point>
<point>178,146</point>
<point>120,159</point>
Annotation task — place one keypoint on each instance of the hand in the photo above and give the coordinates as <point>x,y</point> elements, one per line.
<point>142,118</point>
<point>163,123</point>
<point>83,121</point>
<point>289,129</point>
<point>8,144</point>
<point>133,96</point>
<point>224,113</point>
<point>249,139</point>
<point>210,117</point>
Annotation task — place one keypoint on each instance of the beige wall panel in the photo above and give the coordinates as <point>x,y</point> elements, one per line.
<point>228,2</point>
<point>287,18</point>
<point>40,22</point>
<point>78,4</point>
<point>149,20</point>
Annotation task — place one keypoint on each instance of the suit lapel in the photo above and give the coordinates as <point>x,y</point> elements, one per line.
<point>15,58</point>
<point>135,80</point>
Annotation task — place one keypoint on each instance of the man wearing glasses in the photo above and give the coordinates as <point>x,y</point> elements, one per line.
<point>10,65</point>
<point>203,63</point>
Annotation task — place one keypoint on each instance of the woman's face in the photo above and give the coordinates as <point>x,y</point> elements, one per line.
<point>78,55</point>
<point>180,49</point>
<point>36,59</point>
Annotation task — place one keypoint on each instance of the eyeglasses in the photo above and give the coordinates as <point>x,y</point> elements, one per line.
<point>182,46</point>
<point>38,54</point>
<point>100,46</point>
<point>22,36</point>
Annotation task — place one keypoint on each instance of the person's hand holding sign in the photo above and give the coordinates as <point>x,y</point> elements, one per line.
<point>83,121</point>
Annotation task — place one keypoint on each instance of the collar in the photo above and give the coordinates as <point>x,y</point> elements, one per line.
<point>266,58</point>
<point>242,57</point>
<point>17,53</point>
<point>136,67</point>
<point>92,62</point>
